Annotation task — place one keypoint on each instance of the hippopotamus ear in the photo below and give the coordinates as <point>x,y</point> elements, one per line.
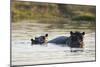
<point>83,33</point>
<point>46,35</point>
<point>71,32</point>
<point>31,39</point>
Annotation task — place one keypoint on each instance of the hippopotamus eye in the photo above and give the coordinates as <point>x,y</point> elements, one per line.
<point>81,38</point>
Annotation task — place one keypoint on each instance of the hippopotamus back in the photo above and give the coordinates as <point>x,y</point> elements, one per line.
<point>59,40</point>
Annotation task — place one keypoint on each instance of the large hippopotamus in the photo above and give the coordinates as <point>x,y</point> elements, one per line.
<point>75,40</point>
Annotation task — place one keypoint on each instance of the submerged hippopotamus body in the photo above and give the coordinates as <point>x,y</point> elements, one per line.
<point>75,40</point>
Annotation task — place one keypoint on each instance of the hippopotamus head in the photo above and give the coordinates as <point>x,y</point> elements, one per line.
<point>76,39</point>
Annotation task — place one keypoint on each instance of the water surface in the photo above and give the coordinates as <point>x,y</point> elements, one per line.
<point>24,54</point>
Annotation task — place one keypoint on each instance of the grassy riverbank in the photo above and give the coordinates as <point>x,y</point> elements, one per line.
<point>33,10</point>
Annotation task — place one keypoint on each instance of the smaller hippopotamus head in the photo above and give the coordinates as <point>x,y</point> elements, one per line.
<point>76,39</point>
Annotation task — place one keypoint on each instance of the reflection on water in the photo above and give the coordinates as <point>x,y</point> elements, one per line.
<point>23,53</point>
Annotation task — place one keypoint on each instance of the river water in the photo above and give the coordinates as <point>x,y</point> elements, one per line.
<point>25,54</point>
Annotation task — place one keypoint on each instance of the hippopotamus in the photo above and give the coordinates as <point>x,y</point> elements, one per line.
<point>75,40</point>
<point>39,40</point>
